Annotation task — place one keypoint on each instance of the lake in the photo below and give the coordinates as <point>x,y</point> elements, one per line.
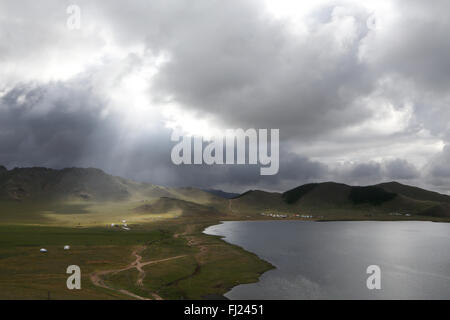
<point>329,260</point>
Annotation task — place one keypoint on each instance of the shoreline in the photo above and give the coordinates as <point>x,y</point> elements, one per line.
<point>223,238</point>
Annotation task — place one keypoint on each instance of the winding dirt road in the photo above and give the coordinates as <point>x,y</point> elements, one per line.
<point>96,277</point>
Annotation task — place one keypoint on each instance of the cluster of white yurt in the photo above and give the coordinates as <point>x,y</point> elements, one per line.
<point>43,250</point>
<point>123,226</point>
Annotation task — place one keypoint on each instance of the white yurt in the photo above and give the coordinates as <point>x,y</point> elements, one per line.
<point>43,250</point>
<point>113,225</point>
<point>66,247</point>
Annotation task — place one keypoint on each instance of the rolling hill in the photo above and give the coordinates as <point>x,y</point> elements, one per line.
<point>336,200</point>
<point>90,196</point>
<point>84,184</point>
<point>414,192</point>
<point>37,194</point>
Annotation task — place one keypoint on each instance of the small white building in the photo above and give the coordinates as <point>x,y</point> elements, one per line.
<point>43,250</point>
<point>124,221</point>
<point>66,247</point>
<point>113,224</point>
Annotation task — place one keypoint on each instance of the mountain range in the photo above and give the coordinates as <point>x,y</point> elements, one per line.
<point>25,192</point>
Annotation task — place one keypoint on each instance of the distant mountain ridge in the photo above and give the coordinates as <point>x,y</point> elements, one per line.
<point>89,184</point>
<point>387,198</point>
<point>79,190</point>
<point>30,193</point>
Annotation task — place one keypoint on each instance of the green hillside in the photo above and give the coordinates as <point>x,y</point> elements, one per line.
<point>370,195</point>
<point>77,196</point>
<point>257,201</point>
<point>331,200</point>
<point>296,194</point>
<point>414,192</point>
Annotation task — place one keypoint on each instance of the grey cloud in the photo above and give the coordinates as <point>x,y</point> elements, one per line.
<point>359,173</point>
<point>252,72</point>
<point>365,173</point>
<point>61,125</point>
<point>232,61</point>
<point>415,45</point>
<point>294,170</point>
<point>400,169</point>
<point>437,171</point>
<point>52,125</point>
<point>64,124</point>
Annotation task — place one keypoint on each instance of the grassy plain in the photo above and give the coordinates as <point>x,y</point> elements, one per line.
<point>207,268</point>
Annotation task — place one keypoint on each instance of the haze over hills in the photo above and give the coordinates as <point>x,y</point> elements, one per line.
<point>221,193</point>
<point>76,194</point>
<point>26,193</point>
<point>88,184</point>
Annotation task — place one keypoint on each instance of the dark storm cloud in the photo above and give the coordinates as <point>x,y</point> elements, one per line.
<point>233,61</point>
<point>294,170</point>
<point>64,124</point>
<point>61,125</point>
<point>333,83</point>
<point>51,125</point>
<point>237,64</point>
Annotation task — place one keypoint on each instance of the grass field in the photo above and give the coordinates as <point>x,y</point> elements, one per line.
<point>207,268</point>
<point>176,260</point>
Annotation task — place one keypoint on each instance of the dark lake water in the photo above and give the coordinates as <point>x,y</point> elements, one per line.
<point>329,260</point>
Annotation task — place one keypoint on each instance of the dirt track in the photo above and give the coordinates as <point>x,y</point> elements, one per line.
<point>97,280</point>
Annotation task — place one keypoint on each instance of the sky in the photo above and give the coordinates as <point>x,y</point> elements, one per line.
<point>358,89</point>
